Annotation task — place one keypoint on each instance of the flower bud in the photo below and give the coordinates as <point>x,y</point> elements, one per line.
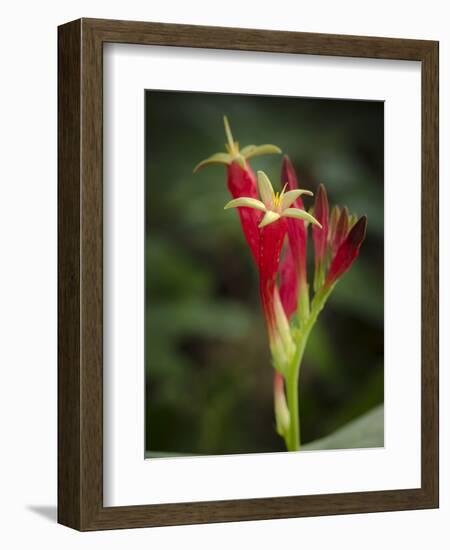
<point>347,252</point>
<point>282,415</point>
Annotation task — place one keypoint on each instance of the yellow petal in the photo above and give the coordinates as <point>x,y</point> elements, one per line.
<point>300,215</point>
<point>265,189</point>
<point>217,158</point>
<point>246,201</point>
<point>269,217</point>
<point>291,196</point>
<point>258,150</point>
<point>266,149</point>
<point>246,151</point>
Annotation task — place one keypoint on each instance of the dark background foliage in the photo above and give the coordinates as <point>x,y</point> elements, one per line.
<point>208,371</point>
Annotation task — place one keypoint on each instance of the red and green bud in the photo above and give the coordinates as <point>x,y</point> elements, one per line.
<point>347,252</point>
<point>334,219</point>
<point>282,414</point>
<point>341,232</point>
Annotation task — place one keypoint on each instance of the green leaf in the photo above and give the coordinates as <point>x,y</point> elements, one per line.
<point>363,432</point>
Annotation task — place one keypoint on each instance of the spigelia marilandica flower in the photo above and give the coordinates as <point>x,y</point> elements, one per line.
<point>241,180</point>
<point>337,246</point>
<point>274,205</point>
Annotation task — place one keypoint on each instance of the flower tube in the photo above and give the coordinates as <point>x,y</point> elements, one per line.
<point>294,289</point>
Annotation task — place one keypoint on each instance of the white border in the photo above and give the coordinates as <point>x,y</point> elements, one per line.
<point>128,478</point>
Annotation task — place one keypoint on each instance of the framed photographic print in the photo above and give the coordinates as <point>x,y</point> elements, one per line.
<point>248,274</point>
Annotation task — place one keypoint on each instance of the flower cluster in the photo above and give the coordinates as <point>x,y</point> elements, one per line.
<point>276,225</point>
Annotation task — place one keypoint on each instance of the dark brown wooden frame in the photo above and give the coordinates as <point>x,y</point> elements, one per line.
<point>80,301</point>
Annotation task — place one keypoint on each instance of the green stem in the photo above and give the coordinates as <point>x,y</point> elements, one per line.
<point>293,436</point>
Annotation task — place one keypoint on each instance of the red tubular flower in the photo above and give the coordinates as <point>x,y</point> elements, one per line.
<point>288,283</point>
<point>332,225</point>
<point>320,236</point>
<point>280,340</point>
<point>271,243</point>
<point>293,268</point>
<point>341,231</point>
<point>241,181</point>
<point>347,252</point>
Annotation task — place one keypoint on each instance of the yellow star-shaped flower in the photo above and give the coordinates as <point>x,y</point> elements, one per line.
<point>274,205</point>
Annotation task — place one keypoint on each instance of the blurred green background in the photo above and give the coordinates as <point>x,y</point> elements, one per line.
<point>208,370</point>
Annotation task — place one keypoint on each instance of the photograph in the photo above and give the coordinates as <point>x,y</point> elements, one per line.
<point>264,274</point>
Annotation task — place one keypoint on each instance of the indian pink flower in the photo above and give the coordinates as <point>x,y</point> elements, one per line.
<point>274,205</point>
<point>241,181</point>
